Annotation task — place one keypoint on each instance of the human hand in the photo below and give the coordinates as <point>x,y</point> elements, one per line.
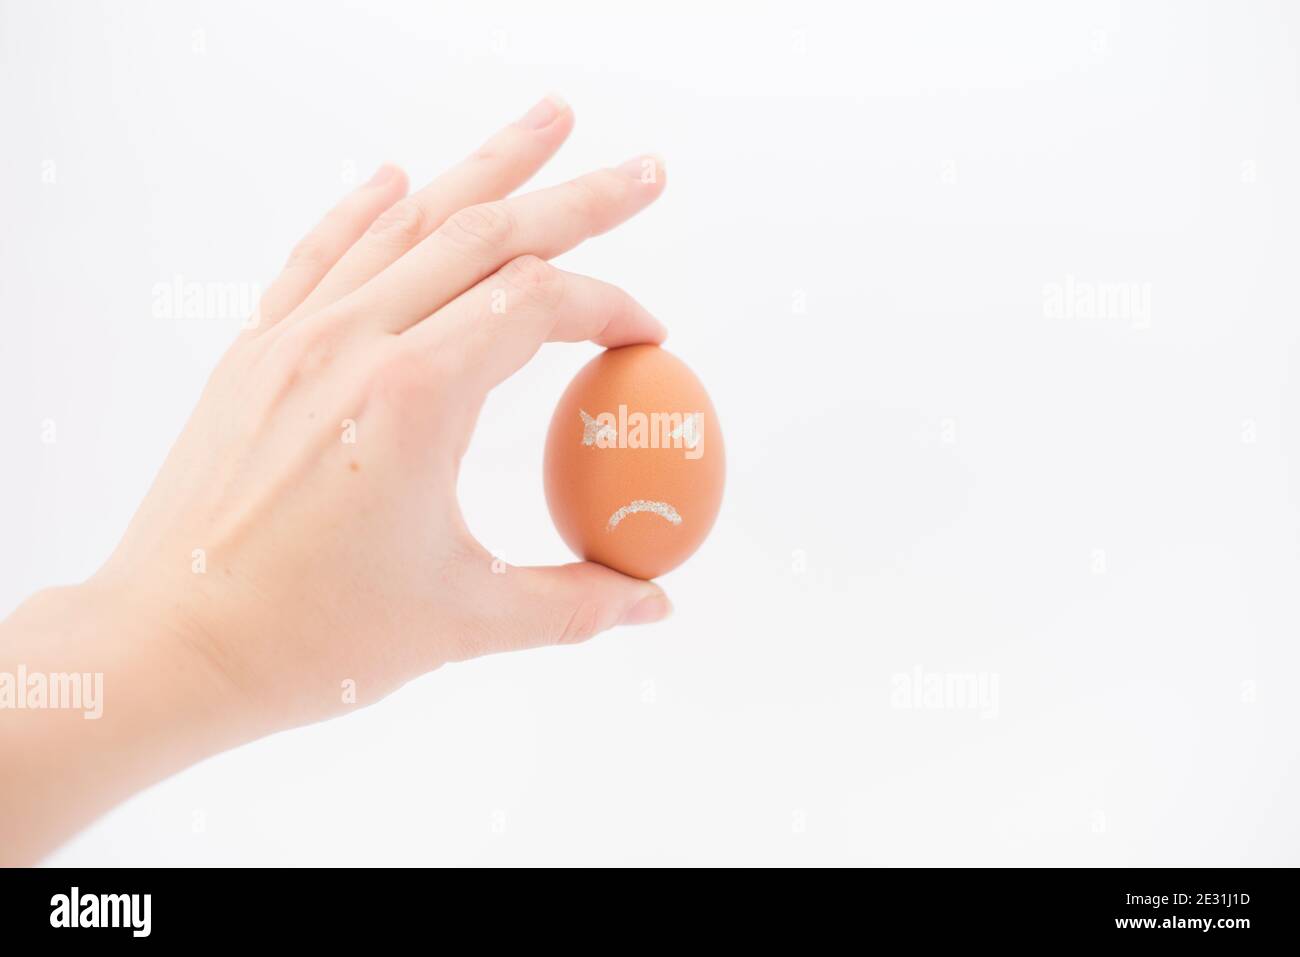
<point>304,532</point>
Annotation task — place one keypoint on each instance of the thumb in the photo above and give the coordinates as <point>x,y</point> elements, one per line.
<point>565,604</point>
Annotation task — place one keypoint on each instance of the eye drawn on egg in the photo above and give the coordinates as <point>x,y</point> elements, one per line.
<point>662,509</point>
<point>690,430</point>
<point>593,431</point>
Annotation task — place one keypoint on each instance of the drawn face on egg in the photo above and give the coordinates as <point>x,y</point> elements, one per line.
<point>634,462</point>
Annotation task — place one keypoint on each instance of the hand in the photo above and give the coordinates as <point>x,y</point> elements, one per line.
<point>304,535</point>
<point>302,550</point>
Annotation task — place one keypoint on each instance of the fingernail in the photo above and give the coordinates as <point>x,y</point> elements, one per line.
<point>646,168</point>
<point>647,610</point>
<point>544,112</point>
<point>382,175</point>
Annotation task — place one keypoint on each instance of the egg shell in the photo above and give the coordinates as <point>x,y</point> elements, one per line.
<point>587,485</point>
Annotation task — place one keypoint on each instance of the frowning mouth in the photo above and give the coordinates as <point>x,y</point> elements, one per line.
<point>662,509</point>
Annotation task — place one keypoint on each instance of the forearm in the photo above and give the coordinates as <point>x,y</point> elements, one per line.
<point>98,700</point>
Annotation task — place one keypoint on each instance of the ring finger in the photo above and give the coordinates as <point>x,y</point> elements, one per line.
<point>499,167</point>
<point>477,241</point>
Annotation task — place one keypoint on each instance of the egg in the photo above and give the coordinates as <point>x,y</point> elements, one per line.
<point>634,462</point>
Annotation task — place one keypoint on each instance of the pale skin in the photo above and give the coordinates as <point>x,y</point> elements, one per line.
<point>302,552</point>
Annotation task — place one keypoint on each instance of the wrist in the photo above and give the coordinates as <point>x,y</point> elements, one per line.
<point>114,697</point>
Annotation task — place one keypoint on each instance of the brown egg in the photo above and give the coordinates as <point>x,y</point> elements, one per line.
<point>634,462</point>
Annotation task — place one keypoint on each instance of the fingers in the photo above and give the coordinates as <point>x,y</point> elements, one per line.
<point>499,167</point>
<point>321,248</point>
<point>492,330</point>
<point>479,240</point>
<point>565,604</point>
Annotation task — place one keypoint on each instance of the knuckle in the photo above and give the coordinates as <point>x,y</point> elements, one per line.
<point>298,356</point>
<point>581,623</point>
<point>620,302</point>
<point>479,228</point>
<point>309,253</point>
<point>536,279</point>
<point>596,191</point>
<point>583,197</point>
<point>399,373</point>
<point>404,223</point>
<point>414,386</point>
<point>489,153</point>
<point>311,349</point>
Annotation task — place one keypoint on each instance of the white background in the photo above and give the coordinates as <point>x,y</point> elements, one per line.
<point>930,467</point>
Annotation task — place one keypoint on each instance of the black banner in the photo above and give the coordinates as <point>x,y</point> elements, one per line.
<point>1228,907</point>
